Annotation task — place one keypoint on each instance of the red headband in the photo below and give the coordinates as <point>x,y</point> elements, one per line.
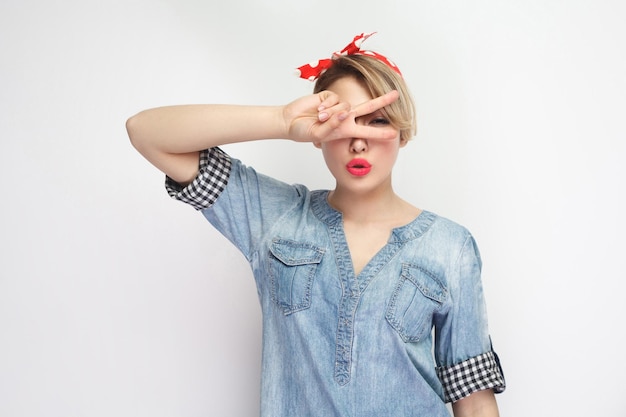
<point>313,70</point>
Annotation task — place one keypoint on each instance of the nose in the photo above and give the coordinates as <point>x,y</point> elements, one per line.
<point>358,145</point>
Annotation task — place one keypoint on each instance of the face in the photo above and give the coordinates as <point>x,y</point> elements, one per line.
<point>360,165</point>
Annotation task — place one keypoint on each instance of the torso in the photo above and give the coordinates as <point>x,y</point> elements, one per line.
<point>348,331</point>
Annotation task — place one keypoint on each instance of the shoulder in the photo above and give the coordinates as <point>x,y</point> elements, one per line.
<point>445,230</point>
<point>245,176</point>
<point>438,243</point>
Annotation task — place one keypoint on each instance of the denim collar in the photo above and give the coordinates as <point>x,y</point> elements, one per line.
<point>333,218</point>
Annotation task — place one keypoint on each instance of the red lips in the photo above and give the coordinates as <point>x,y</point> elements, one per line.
<point>358,167</point>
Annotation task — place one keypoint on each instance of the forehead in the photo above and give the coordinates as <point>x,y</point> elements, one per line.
<point>350,90</point>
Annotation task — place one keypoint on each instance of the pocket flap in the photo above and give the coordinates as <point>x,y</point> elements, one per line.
<point>428,285</point>
<point>296,253</point>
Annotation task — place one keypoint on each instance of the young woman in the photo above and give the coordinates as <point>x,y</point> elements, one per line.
<point>352,281</point>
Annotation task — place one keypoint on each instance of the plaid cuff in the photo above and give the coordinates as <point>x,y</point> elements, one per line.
<point>202,192</point>
<point>475,374</point>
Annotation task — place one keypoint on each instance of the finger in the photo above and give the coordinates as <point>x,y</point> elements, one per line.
<point>340,124</point>
<point>338,112</point>
<point>335,128</point>
<point>375,133</point>
<point>334,124</point>
<point>376,103</point>
<point>327,99</point>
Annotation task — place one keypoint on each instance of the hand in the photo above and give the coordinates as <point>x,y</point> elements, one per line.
<point>323,117</point>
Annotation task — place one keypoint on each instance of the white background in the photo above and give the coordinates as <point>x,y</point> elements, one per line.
<point>117,301</point>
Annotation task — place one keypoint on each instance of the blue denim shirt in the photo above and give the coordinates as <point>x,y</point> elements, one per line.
<point>401,338</point>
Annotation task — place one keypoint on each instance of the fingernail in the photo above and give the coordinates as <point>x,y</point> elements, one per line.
<point>322,116</point>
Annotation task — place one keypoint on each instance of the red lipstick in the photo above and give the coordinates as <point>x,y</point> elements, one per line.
<point>359,167</point>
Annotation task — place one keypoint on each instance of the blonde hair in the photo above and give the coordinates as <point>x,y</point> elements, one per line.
<point>377,78</point>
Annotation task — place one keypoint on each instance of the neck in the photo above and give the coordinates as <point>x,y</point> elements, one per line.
<point>373,205</point>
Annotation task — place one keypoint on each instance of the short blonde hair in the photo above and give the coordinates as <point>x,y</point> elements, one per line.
<point>377,78</point>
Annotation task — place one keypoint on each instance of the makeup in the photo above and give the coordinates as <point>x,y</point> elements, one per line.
<point>359,167</point>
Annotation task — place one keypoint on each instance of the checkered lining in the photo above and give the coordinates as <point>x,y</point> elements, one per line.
<point>475,374</point>
<point>203,191</point>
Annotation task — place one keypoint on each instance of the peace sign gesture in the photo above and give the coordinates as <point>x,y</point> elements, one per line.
<point>324,117</point>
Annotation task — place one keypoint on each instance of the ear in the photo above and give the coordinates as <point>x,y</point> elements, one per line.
<point>403,142</point>
<point>318,145</point>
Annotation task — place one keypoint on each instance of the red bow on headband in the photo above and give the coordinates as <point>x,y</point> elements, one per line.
<point>313,70</point>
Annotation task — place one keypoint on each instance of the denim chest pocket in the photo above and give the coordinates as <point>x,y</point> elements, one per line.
<point>416,297</point>
<point>292,269</point>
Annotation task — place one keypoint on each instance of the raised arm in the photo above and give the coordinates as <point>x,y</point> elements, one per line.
<point>171,137</point>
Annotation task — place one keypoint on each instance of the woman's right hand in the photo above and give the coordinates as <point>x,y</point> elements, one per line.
<point>324,117</point>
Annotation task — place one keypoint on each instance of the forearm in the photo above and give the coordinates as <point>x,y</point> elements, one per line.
<point>478,404</point>
<point>182,129</point>
<point>170,137</point>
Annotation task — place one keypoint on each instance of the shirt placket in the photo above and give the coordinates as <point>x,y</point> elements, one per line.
<point>353,288</point>
<point>345,333</point>
<point>347,307</point>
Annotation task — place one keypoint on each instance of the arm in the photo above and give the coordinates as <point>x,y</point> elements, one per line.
<point>170,137</point>
<point>478,404</point>
<point>468,367</point>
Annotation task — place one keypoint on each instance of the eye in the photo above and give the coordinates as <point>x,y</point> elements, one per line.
<point>379,120</point>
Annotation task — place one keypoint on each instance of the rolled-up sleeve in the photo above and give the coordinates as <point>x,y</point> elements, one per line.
<point>466,361</point>
<point>474,374</point>
<point>203,191</point>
